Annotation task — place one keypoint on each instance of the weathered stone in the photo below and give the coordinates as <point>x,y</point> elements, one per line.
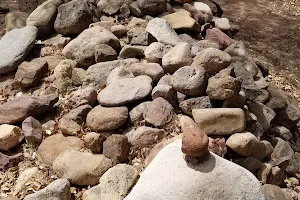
<point>220,121</point>
<point>201,15</point>
<point>70,123</point>
<point>222,87</point>
<point>177,57</point>
<point>282,132</point>
<point>189,80</point>
<point>188,105</point>
<point>162,31</point>
<point>111,6</point>
<point>158,179</point>
<point>106,119</point>
<point>212,60</point>
<point>15,19</point>
<point>165,91</point>
<point>246,144</point>
<point>282,152</point>
<point>273,192</point>
<point>118,30</point>
<point>43,17</point>
<point>237,49</point>
<point>201,45</point>
<point>194,140</point>
<point>10,136</point>
<point>152,7</point>
<point>30,73</point>
<point>74,17</point>
<point>94,141</point>
<point>119,74</point>
<point>138,36</point>
<point>125,91</point>
<point>153,70</point>
<point>24,106</point>
<point>78,75</point>
<point>97,74</point>
<point>181,21</point>
<point>145,136</point>
<point>33,131</point>
<point>219,37</point>
<point>57,190</point>
<point>116,147</point>
<point>14,47</point>
<point>159,112</point>
<point>114,184</point>
<point>91,37</point>
<point>129,51</point>
<point>83,96</point>
<point>263,113</point>
<point>81,168</point>
<point>269,148</point>
<point>222,24</point>
<point>47,154</point>
<point>104,52</point>
<point>136,114</point>
<point>155,52</point>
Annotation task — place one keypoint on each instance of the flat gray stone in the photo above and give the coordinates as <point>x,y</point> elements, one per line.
<point>14,47</point>
<point>124,91</point>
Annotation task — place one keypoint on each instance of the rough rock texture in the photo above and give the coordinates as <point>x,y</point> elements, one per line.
<point>47,154</point>
<point>212,60</point>
<point>43,17</point>
<point>159,112</point>
<point>14,47</point>
<point>57,190</point>
<point>189,80</point>
<point>82,48</point>
<point>152,7</point>
<point>10,136</point>
<point>181,21</point>
<point>145,135</point>
<point>194,181</point>
<point>177,57</point>
<point>81,168</point>
<point>125,91</point>
<point>33,131</point>
<point>273,192</point>
<point>220,121</point>
<point>194,140</point>
<point>73,17</point>
<point>97,74</point>
<point>188,105</point>
<point>117,181</point>
<point>25,106</point>
<point>29,74</point>
<point>106,119</point>
<point>116,147</point>
<point>162,31</point>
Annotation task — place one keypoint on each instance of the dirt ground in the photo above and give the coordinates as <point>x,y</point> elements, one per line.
<point>271,32</point>
<point>269,28</point>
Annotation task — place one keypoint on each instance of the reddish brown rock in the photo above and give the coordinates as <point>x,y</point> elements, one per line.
<point>33,131</point>
<point>219,37</point>
<point>116,147</point>
<point>194,140</point>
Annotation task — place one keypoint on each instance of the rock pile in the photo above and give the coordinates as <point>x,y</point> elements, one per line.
<point>101,85</point>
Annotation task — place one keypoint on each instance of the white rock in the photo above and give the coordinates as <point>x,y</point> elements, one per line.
<point>170,177</point>
<point>162,31</point>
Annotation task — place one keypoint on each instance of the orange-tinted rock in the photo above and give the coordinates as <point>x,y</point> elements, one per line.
<point>194,140</point>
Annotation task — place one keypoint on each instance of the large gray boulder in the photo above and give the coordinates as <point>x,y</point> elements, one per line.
<point>73,17</point>
<point>83,48</point>
<point>14,47</point>
<point>170,177</point>
<point>43,17</point>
